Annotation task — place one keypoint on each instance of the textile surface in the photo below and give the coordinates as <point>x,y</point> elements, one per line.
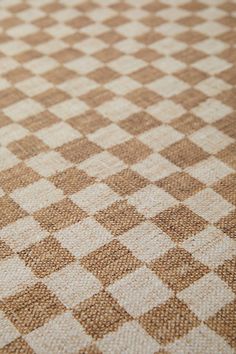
<point>117,176</point>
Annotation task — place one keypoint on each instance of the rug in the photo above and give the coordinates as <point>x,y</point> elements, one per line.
<point>117,176</point>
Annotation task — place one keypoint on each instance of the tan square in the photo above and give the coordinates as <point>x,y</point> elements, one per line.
<point>71,180</point>
<point>119,217</point>
<point>59,215</point>
<point>16,177</point>
<point>88,122</point>
<point>187,123</point>
<point>110,262</point>
<point>10,211</point>
<point>143,97</point>
<point>46,257</point>
<point>226,187</point>
<point>169,322</point>
<point>10,96</point>
<point>39,121</point>
<point>18,346</point>
<point>228,155</point>
<point>5,250</point>
<point>103,75</point>
<point>32,308</point>
<point>181,185</point>
<point>131,151</point>
<point>184,153</point>
<point>139,123</point>
<point>57,75</point>
<point>27,147</point>
<point>228,224</point>
<point>109,315</point>
<point>146,74</point>
<point>178,269</point>
<point>51,97</point>
<point>227,125</point>
<point>126,182</point>
<point>79,150</point>
<point>179,222</point>
<point>226,272</point>
<point>97,97</point>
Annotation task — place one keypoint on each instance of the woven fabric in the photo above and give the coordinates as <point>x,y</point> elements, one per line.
<point>117,176</point>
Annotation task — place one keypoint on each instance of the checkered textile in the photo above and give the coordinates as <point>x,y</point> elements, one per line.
<point>117,176</point>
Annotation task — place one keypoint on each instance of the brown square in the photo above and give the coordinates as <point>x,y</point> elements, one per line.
<point>146,75</point>
<point>88,122</point>
<point>79,150</point>
<point>39,121</point>
<point>32,307</point>
<point>139,123</point>
<point>37,38</point>
<point>228,155</point>
<point>27,147</point>
<point>10,211</point>
<point>5,250</point>
<point>10,96</point>
<point>178,269</point>
<point>179,222</point>
<point>52,96</point>
<point>109,315</point>
<point>188,123</point>
<point>228,224</point>
<point>143,97</point>
<point>103,75</point>
<point>184,153</point>
<point>191,76</point>
<point>189,55</point>
<point>190,98</point>
<point>16,177</point>
<point>227,188</point>
<point>169,321</point>
<point>97,97</point>
<point>224,323</point>
<point>227,273</point>
<point>18,74</point>
<point>110,262</point>
<point>227,125</point>
<point>131,151</point>
<point>126,182</point>
<point>181,185</point>
<point>57,75</point>
<point>18,346</point>
<point>148,55</point>
<point>119,217</point>
<point>46,257</point>
<point>72,180</point>
<point>67,54</point>
<point>59,215</point>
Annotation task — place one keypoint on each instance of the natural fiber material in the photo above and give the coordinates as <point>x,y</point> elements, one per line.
<point>117,176</point>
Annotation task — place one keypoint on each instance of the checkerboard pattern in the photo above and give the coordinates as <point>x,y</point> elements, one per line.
<point>117,176</point>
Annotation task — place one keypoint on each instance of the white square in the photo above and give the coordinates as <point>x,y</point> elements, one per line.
<point>211,13</point>
<point>212,86</point>
<point>44,192</point>
<point>166,110</point>
<point>211,46</point>
<point>22,30</point>
<point>59,30</point>
<point>64,332</point>
<point>168,86</point>
<point>95,197</point>
<point>212,65</point>
<point>7,159</point>
<point>217,296</point>
<point>131,338</point>
<point>132,29</point>
<point>69,108</point>
<point>91,45</point>
<point>169,65</point>
<point>211,110</point>
<point>22,233</point>
<point>48,163</point>
<point>102,165</point>
<point>73,284</point>
<point>78,86</point>
<point>173,13</point>
<point>160,137</point>
<point>127,64</point>
<point>140,291</point>
<point>128,46</point>
<point>15,276</point>
<point>151,200</point>
<point>211,139</point>
<point>209,171</point>
<point>171,29</point>
<point>101,14</point>
<point>84,237</point>
<point>209,204</point>
<point>23,109</point>
<point>122,85</point>
<point>211,247</point>
<point>8,331</point>
<point>33,86</point>
<point>57,134</point>
<point>168,46</point>
<point>212,27</point>
<point>109,136</point>
<point>117,109</point>
<point>155,167</point>
<point>84,65</point>
<point>13,47</point>
<point>41,65</point>
<point>12,132</point>
<point>146,241</point>
<point>51,47</point>
<point>7,64</point>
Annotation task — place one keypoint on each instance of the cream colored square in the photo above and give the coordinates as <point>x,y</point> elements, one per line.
<point>41,65</point>
<point>84,65</point>
<point>168,46</point>
<point>44,193</point>
<point>218,294</point>
<point>69,108</point>
<point>132,29</point>
<point>171,29</point>
<point>102,165</point>
<point>211,46</point>
<point>23,109</point>
<point>22,233</point>
<point>73,284</point>
<point>109,136</point>
<point>33,86</point>
<point>212,65</point>
<point>83,237</point>
<point>129,46</point>
<point>166,110</point>
<point>122,85</point>
<point>160,137</point>
<point>211,110</point>
<point>8,331</point>
<point>151,200</point>
<point>211,247</point>
<point>13,47</point>
<point>131,338</point>
<point>22,30</point>
<point>48,163</point>
<point>210,170</point>
<point>209,204</point>
<point>12,132</point>
<point>7,64</point>
<point>60,30</point>
<point>168,86</point>
<point>212,27</point>
<point>15,276</point>
<point>146,241</point>
<point>91,45</point>
<point>57,134</point>
<point>169,65</point>
<point>155,167</point>
<point>127,64</point>
<point>95,197</point>
<point>78,86</point>
<point>173,13</point>
<point>117,109</point>
<point>212,86</point>
<point>140,291</point>
<point>63,334</point>
<point>7,159</point>
<point>51,46</point>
